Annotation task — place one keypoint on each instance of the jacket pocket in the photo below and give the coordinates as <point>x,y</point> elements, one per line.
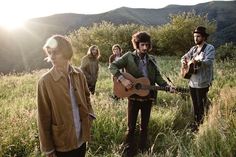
<point>59,135</point>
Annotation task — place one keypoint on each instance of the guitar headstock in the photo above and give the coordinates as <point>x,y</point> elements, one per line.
<point>182,90</point>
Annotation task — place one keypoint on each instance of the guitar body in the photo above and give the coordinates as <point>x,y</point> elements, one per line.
<point>192,67</point>
<point>141,86</point>
<point>188,69</point>
<point>121,92</point>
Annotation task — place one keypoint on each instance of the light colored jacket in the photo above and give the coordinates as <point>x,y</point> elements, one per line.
<point>55,117</point>
<point>204,76</point>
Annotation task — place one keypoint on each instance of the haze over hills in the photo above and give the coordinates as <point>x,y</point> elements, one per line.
<point>26,44</point>
<point>222,11</point>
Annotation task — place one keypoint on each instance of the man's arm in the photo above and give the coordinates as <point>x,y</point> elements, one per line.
<point>87,94</point>
<point>115,67</point>
<point>209,56</point>
<point>44,118</point>
<point>187,56</point>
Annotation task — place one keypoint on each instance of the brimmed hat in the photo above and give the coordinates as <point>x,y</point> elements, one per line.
<point>201,30</point>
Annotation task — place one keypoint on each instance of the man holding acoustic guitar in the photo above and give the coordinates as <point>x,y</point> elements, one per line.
<point>140,67</point>
<point>197,66</point>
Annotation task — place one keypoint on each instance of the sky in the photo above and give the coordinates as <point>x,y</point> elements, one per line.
<point>13,13</point>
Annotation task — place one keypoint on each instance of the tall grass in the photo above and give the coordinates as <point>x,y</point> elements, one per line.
<point>169,132</point>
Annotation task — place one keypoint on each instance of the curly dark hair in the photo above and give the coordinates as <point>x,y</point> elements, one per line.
<point>141,37</point>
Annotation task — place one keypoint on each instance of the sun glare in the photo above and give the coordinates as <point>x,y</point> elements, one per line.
<point>11,24</point>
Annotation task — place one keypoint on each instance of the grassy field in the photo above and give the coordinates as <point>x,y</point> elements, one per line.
<point>169,134</point>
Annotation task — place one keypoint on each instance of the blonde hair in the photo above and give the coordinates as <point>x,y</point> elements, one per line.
<point>92,48</point>
<point>60,43</point>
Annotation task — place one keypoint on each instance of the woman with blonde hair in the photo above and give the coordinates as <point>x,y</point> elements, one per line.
<point>90,66</point>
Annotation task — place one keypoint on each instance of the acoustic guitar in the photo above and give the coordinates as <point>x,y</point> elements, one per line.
<point>141,86</point>
<point>191,67</point>
<point>188,69</point>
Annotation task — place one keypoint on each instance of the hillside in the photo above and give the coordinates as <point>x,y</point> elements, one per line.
<point>222,11</point>
<point>26,44</point>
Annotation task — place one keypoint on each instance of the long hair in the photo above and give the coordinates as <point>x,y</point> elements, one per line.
<point>92,48</point>
<point>118,46</point>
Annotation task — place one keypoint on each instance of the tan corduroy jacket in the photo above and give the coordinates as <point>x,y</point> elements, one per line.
<point>55,117</point>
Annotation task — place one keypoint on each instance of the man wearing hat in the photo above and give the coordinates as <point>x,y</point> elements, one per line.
<point>201,56</point>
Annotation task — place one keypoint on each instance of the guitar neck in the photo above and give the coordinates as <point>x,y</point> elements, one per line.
<point>141,87</point>
<point>156,88</point>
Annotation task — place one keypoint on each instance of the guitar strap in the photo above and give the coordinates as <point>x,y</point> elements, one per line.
<point>154,62</point>
<point>202,50</point>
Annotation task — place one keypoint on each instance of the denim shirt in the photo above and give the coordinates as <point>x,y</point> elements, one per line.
<point>204,76</point>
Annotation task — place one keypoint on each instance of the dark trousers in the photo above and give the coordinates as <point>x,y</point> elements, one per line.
<point>200,105</point>
<point>80,152</point>
<point>92,88</point>
<point>133,109</point>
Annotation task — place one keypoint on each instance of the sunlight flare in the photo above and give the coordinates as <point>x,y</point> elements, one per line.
<point>11,24</point>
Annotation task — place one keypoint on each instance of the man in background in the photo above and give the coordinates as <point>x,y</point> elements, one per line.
<point>202,56</point>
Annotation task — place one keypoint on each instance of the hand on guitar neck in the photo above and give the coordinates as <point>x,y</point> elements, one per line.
<point>171,89</point>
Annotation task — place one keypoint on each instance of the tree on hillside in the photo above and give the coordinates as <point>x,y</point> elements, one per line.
<point>175,38</point>
<point>104,35</point>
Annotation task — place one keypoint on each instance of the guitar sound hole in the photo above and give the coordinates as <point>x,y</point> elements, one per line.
<point>138,86</point>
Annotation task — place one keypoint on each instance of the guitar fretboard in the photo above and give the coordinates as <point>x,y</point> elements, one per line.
<point>149,87</point>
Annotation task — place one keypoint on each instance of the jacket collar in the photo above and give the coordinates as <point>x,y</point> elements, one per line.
<point>135,53</point>
<point>56,75</point>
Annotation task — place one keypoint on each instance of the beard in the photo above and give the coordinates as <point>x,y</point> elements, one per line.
<point>143,51</point>
<point>197,42</point>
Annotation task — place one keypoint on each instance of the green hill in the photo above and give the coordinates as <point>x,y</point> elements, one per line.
<point>25,45</point>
